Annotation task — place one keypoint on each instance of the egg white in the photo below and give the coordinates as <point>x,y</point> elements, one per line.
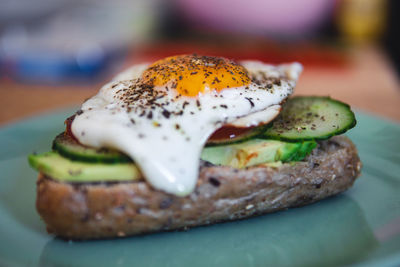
<point>167,148</point>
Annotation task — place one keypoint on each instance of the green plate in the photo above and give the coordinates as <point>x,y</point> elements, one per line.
<point>360,227</point>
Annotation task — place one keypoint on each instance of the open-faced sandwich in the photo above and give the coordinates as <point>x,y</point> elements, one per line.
<point>192,140</point>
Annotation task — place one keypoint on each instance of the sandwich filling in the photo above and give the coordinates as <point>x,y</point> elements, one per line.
<point>161,115</point>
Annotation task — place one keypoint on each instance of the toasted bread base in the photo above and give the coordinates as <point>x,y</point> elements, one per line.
<point>105,210</point>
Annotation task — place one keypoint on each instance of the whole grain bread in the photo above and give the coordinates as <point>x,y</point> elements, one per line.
<point>104,210</point>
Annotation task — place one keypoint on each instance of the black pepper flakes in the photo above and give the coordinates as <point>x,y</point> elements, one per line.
<point>166,113</point>
<point>250,101</point>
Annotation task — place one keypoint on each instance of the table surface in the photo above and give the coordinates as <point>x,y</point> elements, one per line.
<point>369,83</point>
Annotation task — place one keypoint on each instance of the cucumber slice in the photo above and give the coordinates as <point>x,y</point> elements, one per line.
<point>70,148</point>
<point>311,118</point>
<point>238,138</point>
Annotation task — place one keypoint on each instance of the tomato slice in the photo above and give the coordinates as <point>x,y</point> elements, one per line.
<point>68,131</point>
<point>229,132</point>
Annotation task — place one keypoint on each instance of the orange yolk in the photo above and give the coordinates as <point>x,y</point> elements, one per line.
<point>191,74</point>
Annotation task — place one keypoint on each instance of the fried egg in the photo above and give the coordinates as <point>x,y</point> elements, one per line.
<point>162,114</point>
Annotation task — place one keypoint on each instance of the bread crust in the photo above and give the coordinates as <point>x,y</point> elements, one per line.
<point>104,210</point>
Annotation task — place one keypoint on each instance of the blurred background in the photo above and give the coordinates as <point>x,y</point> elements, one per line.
<point>56,53</point>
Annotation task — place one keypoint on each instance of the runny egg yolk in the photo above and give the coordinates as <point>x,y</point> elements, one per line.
<point>190,75</point>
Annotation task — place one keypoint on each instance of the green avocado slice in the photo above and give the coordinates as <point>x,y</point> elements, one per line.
<point>64,169</point>
<point>256,151</point>
<point>250,153</point>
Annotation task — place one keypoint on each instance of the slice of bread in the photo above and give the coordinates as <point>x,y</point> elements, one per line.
<point>104,210</point>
